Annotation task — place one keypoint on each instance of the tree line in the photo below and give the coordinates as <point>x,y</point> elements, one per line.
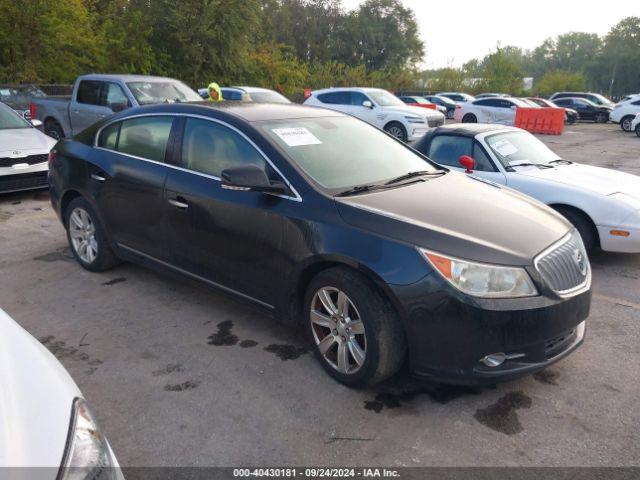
<point>288,45</point>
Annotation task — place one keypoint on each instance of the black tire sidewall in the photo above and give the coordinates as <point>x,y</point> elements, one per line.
<point>630,119</point>
<point>471,118</point>
<point>372,310</point>
<point>583,227</point>
<point>405,136</point>
<point>51,126</point>
<point>105,258</point>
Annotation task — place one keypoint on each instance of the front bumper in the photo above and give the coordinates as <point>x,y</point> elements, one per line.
<point>30,177</point>
<point>449,335</point>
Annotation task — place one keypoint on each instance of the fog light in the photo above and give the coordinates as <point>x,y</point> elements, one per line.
<point>494,360</point>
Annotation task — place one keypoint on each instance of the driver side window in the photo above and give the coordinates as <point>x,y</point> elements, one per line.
<point>210,148</point>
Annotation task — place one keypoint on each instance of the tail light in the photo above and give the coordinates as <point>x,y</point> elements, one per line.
<point>32,110</point>
<point>52,157</point>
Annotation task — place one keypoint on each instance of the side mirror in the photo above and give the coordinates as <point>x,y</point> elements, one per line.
<point>467,162</point>
<point>367,103</point>
<point>35,122</point>
<point>250,178</point>
<point>118,107</point>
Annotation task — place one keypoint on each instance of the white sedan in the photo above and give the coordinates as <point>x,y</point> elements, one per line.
<point>500,110</point>
<point>603,204</point>
<point>24,152</point>
<point>47,423</point>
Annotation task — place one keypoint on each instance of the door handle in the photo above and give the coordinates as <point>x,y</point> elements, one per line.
<point>179,203</point>
<point>98,178</point>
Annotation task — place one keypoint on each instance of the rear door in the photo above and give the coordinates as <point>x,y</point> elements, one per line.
<point>230,238</point>
<point>86,106</point>
<point>128,172</point>
<point>447,149</point>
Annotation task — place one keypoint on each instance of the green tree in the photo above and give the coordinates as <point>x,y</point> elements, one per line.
<point>618,70</point>
<point>501,72</point>
<point>559,80</point>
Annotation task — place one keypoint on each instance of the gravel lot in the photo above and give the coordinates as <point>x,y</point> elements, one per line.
<point>181,375</point>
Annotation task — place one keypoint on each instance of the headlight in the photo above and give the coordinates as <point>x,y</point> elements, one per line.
<point>480,279</point>
<point>412,119</point>
<point>633,202</point>
<point>87,453</point>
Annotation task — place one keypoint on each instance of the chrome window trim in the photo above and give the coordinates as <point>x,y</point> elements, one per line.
<point>197,277</point>
<point>578,289</point>
<point>296,198</point>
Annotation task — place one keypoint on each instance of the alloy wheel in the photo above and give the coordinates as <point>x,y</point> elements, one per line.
<point>396,132</point>
<point>626,124</point>
<point>82,231</point>
<point>338,330</point>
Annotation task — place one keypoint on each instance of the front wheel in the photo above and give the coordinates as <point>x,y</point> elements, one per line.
<point>87,238</point>
<point>53,129</point>
<point>601,118</point>
<point>469,118</point>
<point>583,225</point>
<point>625,123</point>
<point>397,130</point>
<point>357,335</point>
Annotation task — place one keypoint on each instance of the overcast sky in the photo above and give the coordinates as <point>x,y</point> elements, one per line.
<point>458,31</point>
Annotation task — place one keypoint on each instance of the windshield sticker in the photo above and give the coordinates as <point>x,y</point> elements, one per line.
<point>504,147</point>
<point>297,137</point>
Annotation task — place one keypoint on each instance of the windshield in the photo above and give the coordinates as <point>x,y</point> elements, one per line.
<point>10,119</point>
<point>600,100</point>
<point>516,148</point>
<point>385,99</point>
<point>343,152</point>
<point>531,103</point>
<point>444,100</point>
<point>268,97</point>
<point>162,92</point>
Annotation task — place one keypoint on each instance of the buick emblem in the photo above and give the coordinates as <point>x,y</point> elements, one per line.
<point>581,262</point>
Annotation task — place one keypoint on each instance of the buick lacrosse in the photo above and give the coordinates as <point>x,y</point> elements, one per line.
<point>379,254</point>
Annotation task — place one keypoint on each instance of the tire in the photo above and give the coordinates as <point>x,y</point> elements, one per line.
<point>450,114</point>
<point>625,123</point>
<point>571,120</point>
<point>601,118</point>
<point>638,130</point>
<point>83,225</point>
<point>469,118</point>
<point>381,347</point>
<point>582,224</point>
<point>397,130</point>
<point>53,129</point>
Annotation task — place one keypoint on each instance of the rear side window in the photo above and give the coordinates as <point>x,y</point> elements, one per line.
<point>210,148</point>
<point>489,102</point>
<point>109,136</point>
<point>335,98</point>
<point>89,92</point>
<point>145,137</point>
<point>232,95</point>
<point>447,149</point>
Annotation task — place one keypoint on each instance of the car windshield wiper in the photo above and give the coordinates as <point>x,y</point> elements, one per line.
<point>541,165</point>
<point>419,173</point>
<point>560,160</point>
<point>358,189</point>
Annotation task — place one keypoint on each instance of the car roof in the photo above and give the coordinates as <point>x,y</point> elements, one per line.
<point>124,78</point>
<point>252,89</point>
<point>469,129</point>
<point>247,111</point>
<point>345,89</point>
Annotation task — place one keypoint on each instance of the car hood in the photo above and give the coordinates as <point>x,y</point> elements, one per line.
<point>410,110</point>
<point>36,397</point>
<point>24,140</point>
<point>459,216</point>
<point>604,181</point>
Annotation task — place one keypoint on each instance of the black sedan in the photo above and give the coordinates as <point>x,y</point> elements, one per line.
<point>586,109</point>
<point>330,224</point>
<point>571,116</point>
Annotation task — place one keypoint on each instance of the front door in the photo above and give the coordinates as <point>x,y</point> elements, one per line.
<point>86,107</point>
<point>231,238</point>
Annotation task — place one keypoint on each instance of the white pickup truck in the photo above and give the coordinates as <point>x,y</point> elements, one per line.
<point>96,96</point>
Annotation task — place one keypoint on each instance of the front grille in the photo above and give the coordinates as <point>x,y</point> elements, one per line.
<point>435,122</point>
<point>565,266</point>
<point>27,181</point>
<point>30,160</point>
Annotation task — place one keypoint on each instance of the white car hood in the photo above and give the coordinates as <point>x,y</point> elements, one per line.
<point>36,397</point>
<point>600,180</point>
<point>415,111</point>
<point>24,140</point>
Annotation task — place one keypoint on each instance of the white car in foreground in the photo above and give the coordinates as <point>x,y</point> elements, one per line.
<point>45,420</point>
<point>379,108</point>
<point>603,204</point>
<point>625,111</point>
<point>500,110</point>
<point>24,152</point>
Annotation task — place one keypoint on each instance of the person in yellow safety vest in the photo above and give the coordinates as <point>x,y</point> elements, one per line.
<point>215,95</point>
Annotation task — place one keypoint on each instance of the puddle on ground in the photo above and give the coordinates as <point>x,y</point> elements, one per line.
<point>438,393</point>
<point>172,367</point>
<point>286,352</point>
<point>180,387</point>
<point>115,280</point>
<point>502,416</point>
<point>248,343</point>
<point>60,255</point>
<point>61,350</point>
<point>223,337</point>
<point>550,377</point>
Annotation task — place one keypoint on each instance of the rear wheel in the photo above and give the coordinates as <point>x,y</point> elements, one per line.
<point>53,129</point>
<point>601,117</point>
<point>582,224</point>
<point>87,237</point>
<point>397,130</point>
<point>625,123</point>
<point>469,118</point>
<point>357,335</point>
<point>450,114</point>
